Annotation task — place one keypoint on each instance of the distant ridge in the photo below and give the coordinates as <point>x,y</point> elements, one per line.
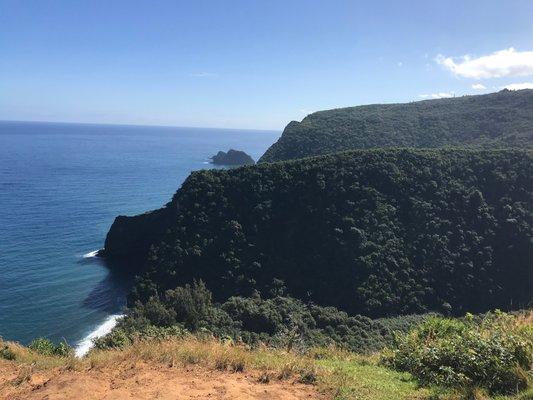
<point>496,120</point>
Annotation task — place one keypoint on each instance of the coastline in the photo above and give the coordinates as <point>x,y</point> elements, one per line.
<point>84,345</point>
<point>87,343</point>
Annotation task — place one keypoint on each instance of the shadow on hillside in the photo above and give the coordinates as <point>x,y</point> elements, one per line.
<point>109,295</point>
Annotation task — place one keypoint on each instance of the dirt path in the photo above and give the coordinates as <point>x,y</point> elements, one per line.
<point>143,381</point>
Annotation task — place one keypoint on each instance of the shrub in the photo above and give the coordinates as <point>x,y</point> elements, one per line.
<point>192,304</point>
<point>493,352</point>
<point>46,347</point>
<point>280,321</point>
<point>116,338</point>
<point>189,305</point>
<point>6,353</point>
<point>123,335</point>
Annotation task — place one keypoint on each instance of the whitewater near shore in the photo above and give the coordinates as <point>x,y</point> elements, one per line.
<point>86,344</point>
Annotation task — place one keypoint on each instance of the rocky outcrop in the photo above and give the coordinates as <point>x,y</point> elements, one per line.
<point>232,157</point>
<point>129,238</point>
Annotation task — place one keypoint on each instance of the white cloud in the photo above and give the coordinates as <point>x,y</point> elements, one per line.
<point>440,95</point>
<point>507,62</point>
<point>203,75</point>
<point>400,64</point>
<point>519,86</point>
<point>478,86</point>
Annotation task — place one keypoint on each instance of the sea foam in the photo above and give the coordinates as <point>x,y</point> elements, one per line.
<point>91,254</point>
<point>87,342</point>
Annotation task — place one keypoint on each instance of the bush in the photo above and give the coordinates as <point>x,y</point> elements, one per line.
<point>189,305</point>
<point>493,352</point>
<point>46,347</point>
<point>280,321</point>
<point>6,353</point>
<point>116,338</point>
<point>123,335</point>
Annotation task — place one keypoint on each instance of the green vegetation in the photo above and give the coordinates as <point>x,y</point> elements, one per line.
<point>378,233</point>
<point>338,255</point>
<point>493,353</point>
<point>46,347</point>
<point>281,322</point>
<point>339,375</point>
<point>472,358</point>
<point>6,353</point>
<point>362,378</point>
<point>496,120</point>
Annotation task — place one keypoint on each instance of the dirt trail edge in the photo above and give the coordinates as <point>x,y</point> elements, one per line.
<point>144,381</point>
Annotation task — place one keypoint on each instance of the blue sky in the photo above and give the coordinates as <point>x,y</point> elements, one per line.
<point>250,64</point>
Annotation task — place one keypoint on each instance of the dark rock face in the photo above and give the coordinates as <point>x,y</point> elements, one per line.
<point>232,157</point>
<point>129,238</point>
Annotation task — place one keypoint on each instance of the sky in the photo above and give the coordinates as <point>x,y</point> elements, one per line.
<point>251,63</point>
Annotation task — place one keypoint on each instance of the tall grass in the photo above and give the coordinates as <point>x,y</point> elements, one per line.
<point>340,374</point>
<point>336,373</point>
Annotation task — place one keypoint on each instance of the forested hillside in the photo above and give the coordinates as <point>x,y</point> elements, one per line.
<point>378,233</point>
<point>496,120</point>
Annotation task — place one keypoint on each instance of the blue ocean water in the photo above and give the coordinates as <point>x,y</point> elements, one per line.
<point>61,186</point>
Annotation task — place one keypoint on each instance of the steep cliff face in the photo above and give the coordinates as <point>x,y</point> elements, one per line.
<point>496,120</point>
<point>130,237</point>
<point>376,232</point>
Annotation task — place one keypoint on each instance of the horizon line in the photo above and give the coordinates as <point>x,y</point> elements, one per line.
<point>134,125</point>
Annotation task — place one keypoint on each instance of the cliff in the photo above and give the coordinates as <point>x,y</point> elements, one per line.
<point>130,237</point>
<point>496,120</point>
<point>381,232</point>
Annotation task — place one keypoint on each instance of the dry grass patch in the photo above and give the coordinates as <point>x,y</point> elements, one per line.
<point>266,364</point>
<point>24,356</point>
<point>212,354</point>
<point>337,373</point>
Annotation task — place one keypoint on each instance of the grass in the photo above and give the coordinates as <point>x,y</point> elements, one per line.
<point>346,375</point>
<point>211,354</point>
<point>364,380</point>
<point>342,375</point>
<point>25,357</point>
<point>339,374</point>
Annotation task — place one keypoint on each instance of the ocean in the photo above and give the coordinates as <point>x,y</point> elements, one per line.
<point>61,186</point>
